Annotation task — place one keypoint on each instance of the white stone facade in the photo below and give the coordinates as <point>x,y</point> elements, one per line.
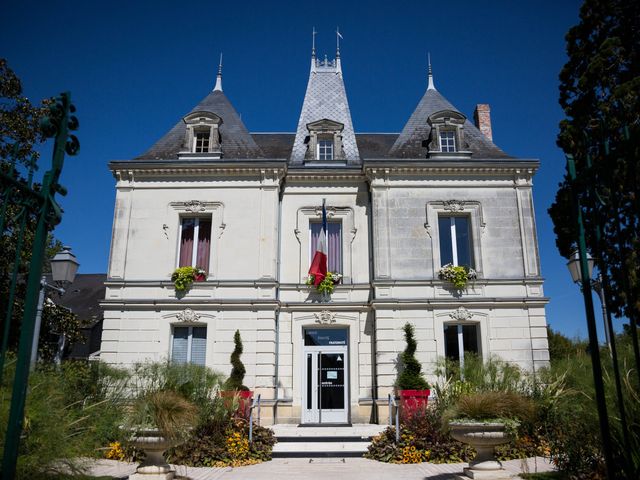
<point>260,210</point>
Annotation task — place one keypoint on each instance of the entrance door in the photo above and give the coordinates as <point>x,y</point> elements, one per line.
<point>325,393</point>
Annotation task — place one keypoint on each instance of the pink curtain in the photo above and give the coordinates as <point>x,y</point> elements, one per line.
<point>334,244</point>
<point>186,242</point>
<point>204,245</point>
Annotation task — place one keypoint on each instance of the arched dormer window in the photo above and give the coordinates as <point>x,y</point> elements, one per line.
<point>447,134</point>
<point>325,140</point>
<point>203,135</point>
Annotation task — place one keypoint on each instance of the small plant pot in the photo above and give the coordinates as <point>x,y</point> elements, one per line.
<point>244,401</point>
<point>484,437</point>
<point>154,466</point>
<point>412,402</point>
<point>200,277</point>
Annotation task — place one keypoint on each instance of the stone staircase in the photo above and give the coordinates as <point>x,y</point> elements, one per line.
<point>323,441</point>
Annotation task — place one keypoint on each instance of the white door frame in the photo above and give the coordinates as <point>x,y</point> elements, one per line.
<point>311,359</point>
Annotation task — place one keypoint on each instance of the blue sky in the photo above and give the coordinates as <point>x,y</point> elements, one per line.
<point>134,68</point>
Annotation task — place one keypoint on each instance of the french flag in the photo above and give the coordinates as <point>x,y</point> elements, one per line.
<point>318,266</point>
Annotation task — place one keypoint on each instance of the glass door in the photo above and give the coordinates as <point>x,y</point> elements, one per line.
<point>325,395</point>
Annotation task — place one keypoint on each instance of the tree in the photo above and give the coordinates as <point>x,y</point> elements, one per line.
<point>562,347</point>
<point>600,94</point>
<point>237,367</point>
<point>19,136</point>
<point>410,377</point>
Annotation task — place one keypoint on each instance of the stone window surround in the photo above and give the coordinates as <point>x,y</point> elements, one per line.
<point>201,209</point>
<point>302,231</point>
<point>325,129</point>
<point>462,316</point>
<point>470,208</point>
<point>203,121</point>
<point>447,121</point>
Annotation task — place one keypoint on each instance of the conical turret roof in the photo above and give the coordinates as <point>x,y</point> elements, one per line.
<point>325,99</point>
<point>410,142</point>
<point>236,140</point>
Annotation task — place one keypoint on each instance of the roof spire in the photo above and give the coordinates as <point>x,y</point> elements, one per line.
<point>338,61</point>
<point>313,42</point>
<point>218,87</point>
<point>430,85</point>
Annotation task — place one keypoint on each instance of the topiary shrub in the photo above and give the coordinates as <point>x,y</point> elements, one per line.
<point>236,379</point>
<point>410,376</point>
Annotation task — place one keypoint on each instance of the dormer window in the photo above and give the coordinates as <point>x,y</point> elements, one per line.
<point>202,137</point>
<point>324,140</point>
<point>447,135</point>
<point>448,141</point>
<point>325,149</point>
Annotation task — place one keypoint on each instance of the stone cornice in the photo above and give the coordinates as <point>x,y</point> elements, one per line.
<point>262,169</point>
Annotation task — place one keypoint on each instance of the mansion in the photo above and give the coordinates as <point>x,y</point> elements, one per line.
<point>247,209</point>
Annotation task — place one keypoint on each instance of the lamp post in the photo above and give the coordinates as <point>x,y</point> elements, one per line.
<point>63,271</point>
<point>596,283</point>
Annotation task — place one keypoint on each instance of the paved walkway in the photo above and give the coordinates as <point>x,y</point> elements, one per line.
<point>321,469</point>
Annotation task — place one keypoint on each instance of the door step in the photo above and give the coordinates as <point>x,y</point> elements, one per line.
<point>323,442</point>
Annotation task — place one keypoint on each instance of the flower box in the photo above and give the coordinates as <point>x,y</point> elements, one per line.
<point>412,402</point>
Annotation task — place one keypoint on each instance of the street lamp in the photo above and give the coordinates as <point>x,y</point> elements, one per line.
<point>574,269</point>
<point>63,271</point>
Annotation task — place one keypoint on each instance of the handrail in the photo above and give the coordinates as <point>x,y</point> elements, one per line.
<point>254,404</point>
<point>392,404</point>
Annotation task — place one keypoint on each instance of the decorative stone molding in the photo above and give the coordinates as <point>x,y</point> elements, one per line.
<point>194,206</point>
<point>454,205</point>
<point>461,315</point>
<point>325,317</point>
<point>188,316</point>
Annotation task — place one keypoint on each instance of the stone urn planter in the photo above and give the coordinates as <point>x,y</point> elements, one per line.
<point>483,436</point>
<point>154,466</point>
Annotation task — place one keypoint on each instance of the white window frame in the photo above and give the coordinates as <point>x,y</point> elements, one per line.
<point>302,231</point>
<point>205,133</point>
<point>328,146</point>
<point>450,140</point>
<point>477,225</point>
<point>460,335</point>
<point>189,340</point>
<point>196,236</point>
<point>454,237</point>
<point>312,253</point>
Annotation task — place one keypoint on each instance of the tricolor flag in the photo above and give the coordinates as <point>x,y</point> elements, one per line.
<point>318,266</point>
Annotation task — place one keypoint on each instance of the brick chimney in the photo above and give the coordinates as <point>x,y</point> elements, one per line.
<point>482,119</point>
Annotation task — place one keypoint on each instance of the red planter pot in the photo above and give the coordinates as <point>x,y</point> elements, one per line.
<point>200,277</point>
<point>244,401</point>
<point>412,402</point>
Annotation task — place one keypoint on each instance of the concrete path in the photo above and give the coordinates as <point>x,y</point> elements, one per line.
<point>321,469</point>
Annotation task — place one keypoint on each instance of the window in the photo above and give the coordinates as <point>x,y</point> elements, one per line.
<point>459,339</point>
<point>195,243</point>
<point>455,241</point>
<point>325,149</point>
<point>334,244</point>
<point>189,345</point>
<point>447,141</point>
<point>201,143</point>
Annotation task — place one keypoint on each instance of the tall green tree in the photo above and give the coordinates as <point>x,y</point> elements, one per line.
<point>20,136</point>
<point>600,95</point>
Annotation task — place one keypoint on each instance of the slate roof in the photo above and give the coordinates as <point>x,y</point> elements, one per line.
<point>325,98</point>
<point>275,145</point>
<point>84,295</point>
<point>236,140</point>
<point>409,142</point>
